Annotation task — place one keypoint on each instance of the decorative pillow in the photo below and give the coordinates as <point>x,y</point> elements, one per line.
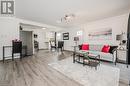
<point>112,48</point>
<point>85,47</point>
<point>80,47</point>
<point>106,48</point>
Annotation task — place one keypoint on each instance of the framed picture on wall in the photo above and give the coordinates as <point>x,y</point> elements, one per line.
<point>66,36</point>
<point>103,34</point>
<point>35,35</point>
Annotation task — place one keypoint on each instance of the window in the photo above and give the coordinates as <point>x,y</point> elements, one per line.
<point>58,36</point>
<point>79,33</point>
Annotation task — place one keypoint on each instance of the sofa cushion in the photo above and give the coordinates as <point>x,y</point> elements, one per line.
<point>106,48</point>
<point>85,47</point>
<point>103,56</point>
<point>106,56</point>
<point>94,52</point>
<point>95,47</point>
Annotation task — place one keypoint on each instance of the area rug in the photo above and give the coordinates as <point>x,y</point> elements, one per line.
<point>88,76</point>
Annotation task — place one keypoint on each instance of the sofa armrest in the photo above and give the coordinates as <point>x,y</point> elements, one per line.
<point>114,50</point>
<point>114,55</point>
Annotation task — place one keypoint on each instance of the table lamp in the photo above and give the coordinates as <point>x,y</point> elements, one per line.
<point>120,38</point>
<point>76,39</point>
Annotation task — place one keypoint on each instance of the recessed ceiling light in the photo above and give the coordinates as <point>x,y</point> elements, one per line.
<point>44,28</point>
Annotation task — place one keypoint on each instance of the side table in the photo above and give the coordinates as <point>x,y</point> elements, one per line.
<point>120,52</point>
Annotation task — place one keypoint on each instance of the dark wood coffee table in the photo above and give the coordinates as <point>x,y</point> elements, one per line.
<point>86,58</point>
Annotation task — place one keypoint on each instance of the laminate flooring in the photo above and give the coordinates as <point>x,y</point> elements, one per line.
<point>34,71</point>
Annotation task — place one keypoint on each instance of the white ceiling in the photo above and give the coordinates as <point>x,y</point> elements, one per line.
<point>51,11</point>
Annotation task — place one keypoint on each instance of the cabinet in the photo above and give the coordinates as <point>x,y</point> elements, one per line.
<point>122,55</point>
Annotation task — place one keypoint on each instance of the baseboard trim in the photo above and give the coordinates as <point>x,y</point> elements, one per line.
<point>43,49</point>
<point>68,50</point>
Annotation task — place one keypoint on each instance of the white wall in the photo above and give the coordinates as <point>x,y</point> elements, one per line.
<point>72,33</point>
<point>41,38</point>
<point>117,23</point>
<point>9,30</point>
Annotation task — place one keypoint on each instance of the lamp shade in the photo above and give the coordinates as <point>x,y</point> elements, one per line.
<point>76,38</point>
<point>119,37</point>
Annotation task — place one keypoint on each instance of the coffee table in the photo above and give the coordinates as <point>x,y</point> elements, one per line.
<point>85,58</point>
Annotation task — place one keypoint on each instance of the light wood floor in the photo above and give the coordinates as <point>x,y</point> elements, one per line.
<point>34,71</point>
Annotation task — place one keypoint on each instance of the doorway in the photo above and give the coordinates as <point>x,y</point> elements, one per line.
<point>26,38</point>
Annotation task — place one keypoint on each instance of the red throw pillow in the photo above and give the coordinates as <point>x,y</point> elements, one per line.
<point>85,47</point>
<point>106,48</point>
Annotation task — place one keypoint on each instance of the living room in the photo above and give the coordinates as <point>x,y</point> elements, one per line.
<point>81,29</point>
<point>82,33</point>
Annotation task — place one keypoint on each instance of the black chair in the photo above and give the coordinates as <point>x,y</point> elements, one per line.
<point>52,45</point>
<point>60,45</point>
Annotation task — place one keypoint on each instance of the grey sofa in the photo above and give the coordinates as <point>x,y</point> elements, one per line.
<point>97,50</point>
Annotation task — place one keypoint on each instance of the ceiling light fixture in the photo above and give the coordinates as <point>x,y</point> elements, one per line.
<point>43,28</point>
<point>68,18</point>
